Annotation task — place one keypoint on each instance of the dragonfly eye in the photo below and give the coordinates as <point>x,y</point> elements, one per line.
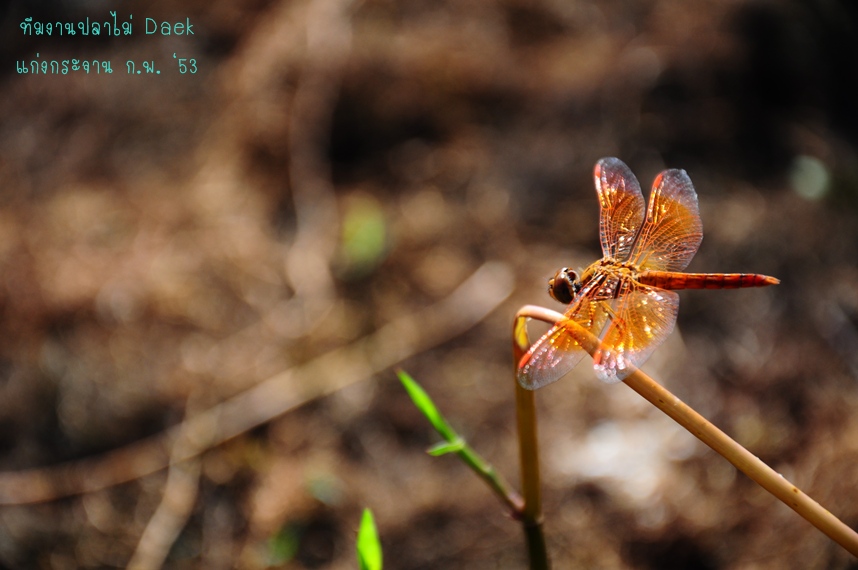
<point>564,285</point>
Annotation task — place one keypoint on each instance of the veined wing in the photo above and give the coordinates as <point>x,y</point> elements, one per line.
<point>557,352</point>
<point>621,207</point>
<point>672,231</point>
<point>643,318</point>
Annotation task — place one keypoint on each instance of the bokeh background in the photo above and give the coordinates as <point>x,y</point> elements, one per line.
<point>169,242</point>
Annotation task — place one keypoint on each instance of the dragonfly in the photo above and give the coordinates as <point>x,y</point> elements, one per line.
<point>627,299</point>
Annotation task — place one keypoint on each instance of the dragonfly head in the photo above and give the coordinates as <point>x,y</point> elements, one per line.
<point>564,286</point>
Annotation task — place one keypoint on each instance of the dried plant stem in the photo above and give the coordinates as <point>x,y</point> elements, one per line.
<point>399,339</point>
<point>703,430</point>
<point>176,506</point>
<point>744,460</point>
<point>528,447</point>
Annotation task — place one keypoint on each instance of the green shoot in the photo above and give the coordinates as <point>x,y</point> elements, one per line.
<point>454,443</point>
<point>368,545</point>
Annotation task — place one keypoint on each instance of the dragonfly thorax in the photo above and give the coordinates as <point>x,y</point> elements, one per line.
<point>566,284</point>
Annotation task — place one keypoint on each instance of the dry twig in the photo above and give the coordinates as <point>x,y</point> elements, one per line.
<point>396,341</point>
<point>177,503</point>
<point>699,427</point>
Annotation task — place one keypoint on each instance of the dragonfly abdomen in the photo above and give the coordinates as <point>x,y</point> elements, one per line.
<point>672,280</point>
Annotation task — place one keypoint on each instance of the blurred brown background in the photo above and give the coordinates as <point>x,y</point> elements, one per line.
<point>168,242</point>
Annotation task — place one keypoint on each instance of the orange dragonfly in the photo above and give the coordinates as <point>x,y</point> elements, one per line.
<point>626,298</point>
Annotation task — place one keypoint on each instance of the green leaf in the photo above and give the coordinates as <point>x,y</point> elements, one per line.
<point>445,447</point>
<point>425,404</point>
<point>368,545</point>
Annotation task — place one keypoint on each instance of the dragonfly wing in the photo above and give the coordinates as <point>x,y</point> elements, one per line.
<point>550,358</point>
<point>672,231</point>
<point>557,352</point>
<point>621,207</point>
<point>643,318</point>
